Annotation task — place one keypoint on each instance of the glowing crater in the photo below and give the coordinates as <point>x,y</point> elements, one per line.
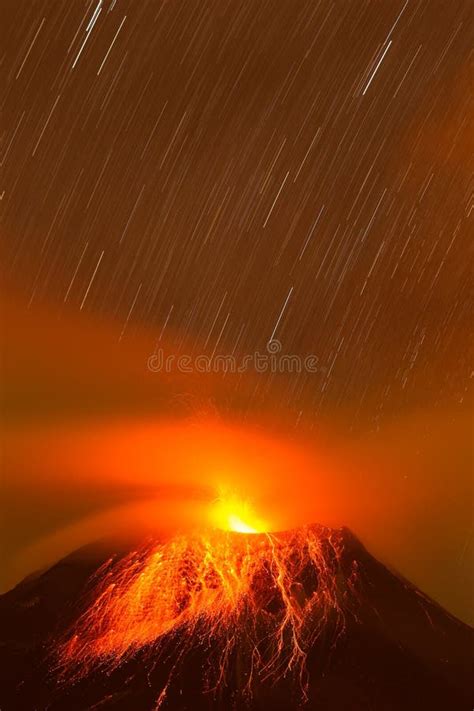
<point>232,513</point>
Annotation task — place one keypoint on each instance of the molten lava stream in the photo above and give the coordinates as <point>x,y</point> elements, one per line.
<point>266,597</point>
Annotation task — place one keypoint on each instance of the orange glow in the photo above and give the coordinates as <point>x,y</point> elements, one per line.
<point>232,513</point>
<point>154,477</point>
<point>266,597</point>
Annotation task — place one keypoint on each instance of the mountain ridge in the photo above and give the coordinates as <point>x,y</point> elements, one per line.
<point>400,650</point>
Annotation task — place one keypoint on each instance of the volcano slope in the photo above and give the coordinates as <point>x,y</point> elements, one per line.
<point>305,619</point>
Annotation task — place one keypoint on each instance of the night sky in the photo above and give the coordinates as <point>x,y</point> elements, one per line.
<point>215,173</point>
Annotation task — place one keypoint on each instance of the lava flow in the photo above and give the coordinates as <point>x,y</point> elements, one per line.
<point>262,598</point>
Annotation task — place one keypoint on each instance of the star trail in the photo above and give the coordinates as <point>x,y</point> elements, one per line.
<point>233,171</point>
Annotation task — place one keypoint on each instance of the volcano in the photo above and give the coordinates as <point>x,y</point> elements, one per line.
<point>305,619</point>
